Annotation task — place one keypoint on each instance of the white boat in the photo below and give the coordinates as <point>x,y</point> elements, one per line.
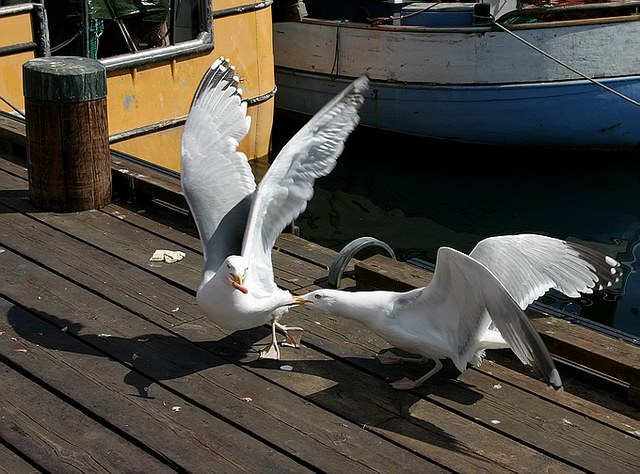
<point>558,76</point>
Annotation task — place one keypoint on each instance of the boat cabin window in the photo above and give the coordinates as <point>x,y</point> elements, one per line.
<point>128,31</point>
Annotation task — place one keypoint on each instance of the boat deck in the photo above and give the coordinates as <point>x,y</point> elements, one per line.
<point>109,366</point>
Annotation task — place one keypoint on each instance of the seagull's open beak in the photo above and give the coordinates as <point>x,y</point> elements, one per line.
<point>299,300</point>
<point>236,281</point>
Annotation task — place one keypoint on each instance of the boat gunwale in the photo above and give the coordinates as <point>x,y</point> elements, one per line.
<point>483,27</point>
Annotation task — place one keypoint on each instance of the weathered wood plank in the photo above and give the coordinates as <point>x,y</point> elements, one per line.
<point>27,241</point>
<point>133,180</point>
<point>111,233</point>
<point>119,236</point>
<point>191,439</point>
<point>60,438</point>
<point>186,235</point>
<point>388,274</point>
<point>292,273</point>
<point>291,424</point>
<point>598,352</point>
<point>11,463</point>
<point>457,442</point>
<point>321,256</point>
<point>13,131</point>
<point>25,235</point>
<point>314,253</point>
<point>584,397</point>
<point>14,166</point>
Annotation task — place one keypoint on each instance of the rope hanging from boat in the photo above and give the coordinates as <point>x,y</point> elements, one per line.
<point>590,79</point>
<point>336,54</point>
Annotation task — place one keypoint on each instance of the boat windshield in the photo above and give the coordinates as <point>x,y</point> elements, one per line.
<point>102,29</point>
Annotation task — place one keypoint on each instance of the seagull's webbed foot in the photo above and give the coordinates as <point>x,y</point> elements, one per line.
<point>271,352</point>
<point>407,384</point>
<point>388,358</point>
<point>404,384</point>
<point>292,335</point>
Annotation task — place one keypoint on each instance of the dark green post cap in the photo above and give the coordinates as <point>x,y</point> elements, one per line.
<point>64,79</point>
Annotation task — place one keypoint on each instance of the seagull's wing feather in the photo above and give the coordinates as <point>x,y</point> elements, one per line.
<point>528,265</point>
<point>469,295</point>
<point>287,186</point>
<point>453,307</point>
<point>216,179</point>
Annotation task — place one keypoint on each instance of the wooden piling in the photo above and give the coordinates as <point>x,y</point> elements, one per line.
<point>67,133</point>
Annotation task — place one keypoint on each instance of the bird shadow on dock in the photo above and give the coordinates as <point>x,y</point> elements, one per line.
<point>151,357</point>
<point>346,389</point>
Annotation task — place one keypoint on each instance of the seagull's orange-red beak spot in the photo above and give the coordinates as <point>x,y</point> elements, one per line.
<point>236,282</point>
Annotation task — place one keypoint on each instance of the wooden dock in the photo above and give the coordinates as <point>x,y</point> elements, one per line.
<point>109,366</point>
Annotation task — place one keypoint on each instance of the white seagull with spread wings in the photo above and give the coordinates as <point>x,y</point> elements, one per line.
<point>453,316</point>
<point>238,222</point>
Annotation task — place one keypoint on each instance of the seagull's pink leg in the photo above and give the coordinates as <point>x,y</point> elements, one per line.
<point>388,358</point>
<point>407,384</point>
<point>273,351</point>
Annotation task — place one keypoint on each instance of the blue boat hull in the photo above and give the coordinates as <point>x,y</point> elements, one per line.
<point>574,114</point>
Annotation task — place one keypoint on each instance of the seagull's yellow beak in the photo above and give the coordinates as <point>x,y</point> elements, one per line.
<point>299,300</point>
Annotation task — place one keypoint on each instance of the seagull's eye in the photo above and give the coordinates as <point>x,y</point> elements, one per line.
<point>317,296</point>
<point>228,266</point>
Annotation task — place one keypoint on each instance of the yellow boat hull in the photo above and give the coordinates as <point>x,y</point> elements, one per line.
<point>148,103</point>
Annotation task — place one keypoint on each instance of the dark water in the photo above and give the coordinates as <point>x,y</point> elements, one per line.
<point>417,195</point>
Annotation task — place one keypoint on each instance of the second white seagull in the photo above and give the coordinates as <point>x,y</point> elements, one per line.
<point>453,316</point>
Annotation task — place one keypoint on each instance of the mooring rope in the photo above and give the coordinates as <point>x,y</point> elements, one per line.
<point>336,54</point>
<point>572,69</point>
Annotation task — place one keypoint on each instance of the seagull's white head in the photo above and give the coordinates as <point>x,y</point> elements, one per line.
<point>236,268</point>
<point>321,299</point>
